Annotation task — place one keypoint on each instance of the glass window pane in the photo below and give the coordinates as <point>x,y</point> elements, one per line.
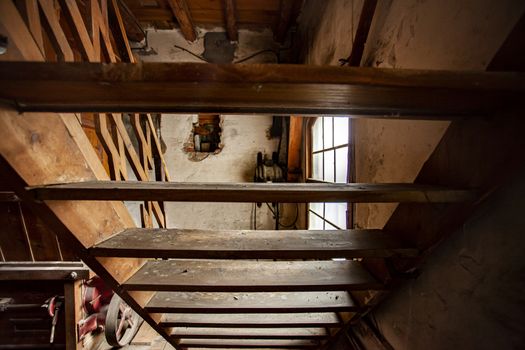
<point>328,142</point>
<point>340,131</point>
<point>336,214</point>
<point>314,222</point>
<point>341,164</point>
<point>328,166</point>
<point>317,135</point>
<point>317,166</point>
<point>317,207</point>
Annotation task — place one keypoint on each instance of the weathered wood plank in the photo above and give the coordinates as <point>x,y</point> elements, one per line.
<point>256,88</point>
<point>247,343</point>
<point>280,302</point>
<point>248,244</point>
<point>250,276</point>
<point>248,333</point>
<point>69,271</point>
<point>230,19</point>
<point>183,15</point>
<point>257,320</point>
<point>250,192</point>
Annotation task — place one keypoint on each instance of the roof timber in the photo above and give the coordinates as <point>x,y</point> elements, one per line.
<point>255,88</point>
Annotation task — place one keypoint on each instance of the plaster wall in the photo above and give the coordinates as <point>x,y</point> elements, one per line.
<point>242,135</point>
<point>418,34</point>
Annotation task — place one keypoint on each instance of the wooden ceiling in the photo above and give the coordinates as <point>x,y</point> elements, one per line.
<point>231,14</point>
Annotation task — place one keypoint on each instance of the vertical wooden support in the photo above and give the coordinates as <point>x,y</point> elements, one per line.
<point>230,19</point>
<point>182,13</point>
<point>73,313</point>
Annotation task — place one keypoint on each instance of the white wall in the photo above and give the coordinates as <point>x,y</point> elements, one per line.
<point>242,136</point>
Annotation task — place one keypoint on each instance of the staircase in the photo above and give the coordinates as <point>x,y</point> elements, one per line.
<point>245,288</point>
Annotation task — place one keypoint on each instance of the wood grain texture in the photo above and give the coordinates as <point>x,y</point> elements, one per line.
<point>258,320</point>
<point>250,192</point>
<point>230,19</point>
<point>183,15</point>
<point>247,343</point>
<point>250,276</point>
<point>278,302</point>
<point>302,89</point>
<point>248,333</point>
<point>248,244</point>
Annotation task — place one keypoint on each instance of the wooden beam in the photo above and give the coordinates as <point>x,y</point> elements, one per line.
<point>22,271</point>
<point>295,146</point>
<point>283,22</point>
<point>248,333</point>
<point>250,192</point>
<point>247,244</point>
<point>250,276</point>
<point>182,13</point>
<point>361,35</point>
<point>227,303</point>
<point>257,320</point>
<point>197,87</point>
<point>230,19</point>
<point>246,343</point>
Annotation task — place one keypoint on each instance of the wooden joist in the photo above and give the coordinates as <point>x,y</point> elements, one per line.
<point>250,276</point>
<point>182,13</point>
<point>230,19</point>
<point>248,333</point>
<point>249,244</point>
<point>277,302</point>
<point>246,343</point>
<point>256,88</point>
<point>257,320</point>
<point>250,192</point>
<point>21,271</point>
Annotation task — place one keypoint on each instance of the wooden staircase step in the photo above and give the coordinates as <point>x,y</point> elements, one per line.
<point>256,320</point>
<point>250,192</point>
<point>199,302</point>
<point>249,244</point>
<point>246,343</point>
<point>248,333</point>
<point>250,276</point>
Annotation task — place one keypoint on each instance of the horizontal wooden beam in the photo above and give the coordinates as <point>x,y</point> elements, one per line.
<point>250,192</point>
<point>248,333</point>
<point>31,271</point>
<point>249,244</point>
<point>255,88</point>
<point>251,276</point>
<point>257,320</point>
<point>277,302</point>
<point>246,343</point>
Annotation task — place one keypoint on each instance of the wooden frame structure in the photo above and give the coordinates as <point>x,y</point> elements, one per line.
<point>87,213</point>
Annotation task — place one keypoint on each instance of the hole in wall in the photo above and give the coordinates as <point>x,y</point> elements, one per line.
<point>205,138</point>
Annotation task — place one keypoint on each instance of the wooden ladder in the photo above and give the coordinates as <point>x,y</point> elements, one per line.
<point>243,288</point>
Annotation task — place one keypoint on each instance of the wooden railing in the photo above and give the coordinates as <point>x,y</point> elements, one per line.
<point>73,31</point>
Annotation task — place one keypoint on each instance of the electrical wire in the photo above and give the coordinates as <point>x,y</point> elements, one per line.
<point>244,59</point>
<point>191,53</point>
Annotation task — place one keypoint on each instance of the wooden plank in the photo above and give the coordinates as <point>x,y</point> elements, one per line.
<point>57,35</point>
<point>295,147</point>
<point>285,14</point>
<point>81,33</point>
<point>153,133</point>
<point>250,192</point>
<point>301,89</point>
<point>73,313</point>
<point>258,320</point>
<point>18,33</point>
<point>361,35</point>
<point>250,276</point>
<point>248,244</point>
<point>248,333</point>
<point>182,13</point>
<point>247,343</point>
<point>33,19</point>
<point>281,302</point>
<point>230,19</point>
<point>19,271</point>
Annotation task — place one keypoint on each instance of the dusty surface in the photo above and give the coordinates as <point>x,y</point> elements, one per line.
<point>243,136</point>
<point>419,34</point>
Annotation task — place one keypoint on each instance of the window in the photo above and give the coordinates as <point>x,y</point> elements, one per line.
<point>329,163</point>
